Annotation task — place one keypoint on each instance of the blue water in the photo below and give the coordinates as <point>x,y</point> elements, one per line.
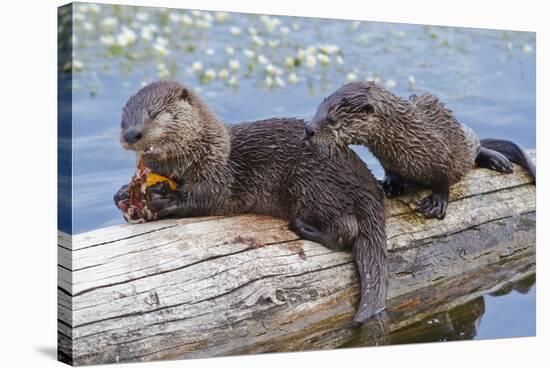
<point>487,77</point>
<point>509,312</point>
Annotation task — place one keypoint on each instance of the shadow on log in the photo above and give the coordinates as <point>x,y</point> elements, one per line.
<point>202,287</point>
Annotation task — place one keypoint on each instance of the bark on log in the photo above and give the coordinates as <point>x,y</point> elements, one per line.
<point>201,287</point>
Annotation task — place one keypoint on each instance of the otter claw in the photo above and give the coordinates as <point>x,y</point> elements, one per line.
<point>306,231</point>
<point>121,197</point>
<point>433,206</point>
<point>393,186</point>
<point>164,201</point>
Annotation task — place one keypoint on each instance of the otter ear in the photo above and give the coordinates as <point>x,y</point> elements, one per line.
<point>184,94</point>
<point>367,108</point>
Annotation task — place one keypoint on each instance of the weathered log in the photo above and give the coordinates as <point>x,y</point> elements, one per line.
<point>200,287</point>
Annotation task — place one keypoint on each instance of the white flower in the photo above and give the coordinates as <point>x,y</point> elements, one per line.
<point>311,61</point>
<point>186,20</point>
<point>88,26</point>
<point>351,76</point>
<point>258,40</point>
<point>94,8</point>
<point>249,53</point>
<point>262,59</point>
<point>329,49</point>
<point>234,64</point>
<point>196,13</point>
<point>162,71</point>
<point>142,16</point>
<point>272,69</point>
<point>229,50</point>
<point>273,43</point>
<point>339,59</point>
<point>82,8</point>
<point>293,78</point>
<point>162,41</point>
<point>509,46</point>
<point>527,49</point>
<point>295,26</point>
<point>324,59</point>
<point>232,81</point>
<point>126,37</point>
<point>202,23</point>
<point>174,17</point>
<point>223,74</point>
<point>285,30</point>
<point>209,51</point>
<point>160,48</point>
<point>222,16</point>
<point>390,83</point>
<point>196,66</point>
<point>210,74</point>
<point>279,82</point>
<point>107,40</point>
<point>412,81</point>
<point>146,33</point>
<point>289,61</point>
<point>399,34</point>
<point>355,24</point>
<point>270,23</point>
<point>109,23</point>
<point>311,50</point>
<point>77,65</point>
<point>235,31</point>
<point>207,17</point>
<point>269,81</point>
<point>252,30</point>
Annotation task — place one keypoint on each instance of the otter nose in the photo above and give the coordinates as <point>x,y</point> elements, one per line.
<point>132,135</point>
<point>310,132</point>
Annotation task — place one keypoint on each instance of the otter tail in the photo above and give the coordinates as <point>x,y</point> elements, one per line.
<point>370,258</point>
<point>495,154</point>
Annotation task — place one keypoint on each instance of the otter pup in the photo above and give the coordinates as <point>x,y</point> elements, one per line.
<point>263,167</point>
<point>416,140</point>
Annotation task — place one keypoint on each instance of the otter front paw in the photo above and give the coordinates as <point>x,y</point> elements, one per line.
<point>393,185</point>
<point>164,201</point>
<point>433,206</point>
<point>122,197</point>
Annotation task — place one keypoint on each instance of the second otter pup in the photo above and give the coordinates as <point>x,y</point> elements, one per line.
<point>416,140</point>
<point>261,167</point>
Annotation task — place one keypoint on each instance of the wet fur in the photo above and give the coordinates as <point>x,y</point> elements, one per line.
<point>416,140</point>
<point>265,167</point>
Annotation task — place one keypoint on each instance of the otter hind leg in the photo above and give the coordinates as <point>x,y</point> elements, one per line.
<point>493,160</point>
<point>307,231</point>
<point>393,184</point>
<point>435,205</point>
<point>310,232</point>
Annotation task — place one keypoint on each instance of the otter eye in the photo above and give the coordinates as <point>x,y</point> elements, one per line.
<point>152,113</point>
<point>332,122</point>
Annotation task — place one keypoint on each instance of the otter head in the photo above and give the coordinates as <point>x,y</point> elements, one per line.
<point>345,117</point>
<point>173,131</point>
<point>159,121</point>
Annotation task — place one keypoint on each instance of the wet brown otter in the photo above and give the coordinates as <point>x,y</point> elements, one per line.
<point>261,167</point>
<point>416,140</point>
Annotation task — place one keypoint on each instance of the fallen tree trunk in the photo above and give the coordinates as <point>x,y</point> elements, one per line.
<point>201,287</point>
